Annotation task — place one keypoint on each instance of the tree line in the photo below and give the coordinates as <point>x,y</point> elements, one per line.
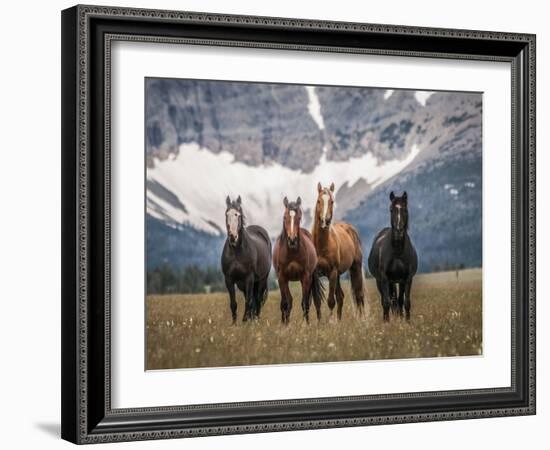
<point>192,279</point>
<point>165,279</point>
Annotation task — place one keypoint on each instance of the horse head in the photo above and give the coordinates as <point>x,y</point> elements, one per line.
<point>325,205</point>
<point>291,221</point>
<point>234,219</point>
<point>399,215</point>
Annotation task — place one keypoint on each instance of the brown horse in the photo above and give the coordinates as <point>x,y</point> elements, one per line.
<point>338,250</point>
<point>294,259</point>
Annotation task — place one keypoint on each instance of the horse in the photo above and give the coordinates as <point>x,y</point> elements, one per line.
<point>338,250</point>
<point>245,261</point>
<point>295,259</point>
<point>393,260</point>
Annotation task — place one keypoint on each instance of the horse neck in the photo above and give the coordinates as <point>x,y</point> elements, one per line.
<point>242,243</point>
<point>398,243</point>
<point>320,235</point>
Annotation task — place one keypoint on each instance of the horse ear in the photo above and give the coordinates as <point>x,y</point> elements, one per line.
<point>404,197</point>
<point>332,187</point>
<point>392,196</point>
<point>285,202</point>
<point>319,187</point>
<point>299,201</point>
<point>228,201</point>
<point>239,200</point>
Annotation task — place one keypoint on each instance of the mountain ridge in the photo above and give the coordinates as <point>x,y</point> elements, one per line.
<point>268,141</point>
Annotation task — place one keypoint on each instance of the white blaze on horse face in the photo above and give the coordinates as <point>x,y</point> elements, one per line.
<point>398,207</point>
<point>292,214</point>
<point>233,222</point>
<point>325,198</point>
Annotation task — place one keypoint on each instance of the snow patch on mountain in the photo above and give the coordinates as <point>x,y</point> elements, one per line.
<point>423,96</point>
<point>201,180</point>
<point>314,107</point>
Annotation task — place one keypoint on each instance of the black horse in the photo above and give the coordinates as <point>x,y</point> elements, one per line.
<point>246,261</point>
<point>393,260</point>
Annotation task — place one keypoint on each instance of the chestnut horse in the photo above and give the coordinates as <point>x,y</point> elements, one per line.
<point>338,250</point>
<point>294,259</point>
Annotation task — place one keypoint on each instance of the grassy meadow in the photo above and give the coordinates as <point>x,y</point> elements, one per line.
<point>195,330</point>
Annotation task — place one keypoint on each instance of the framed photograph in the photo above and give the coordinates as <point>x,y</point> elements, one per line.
<point>281,224</point>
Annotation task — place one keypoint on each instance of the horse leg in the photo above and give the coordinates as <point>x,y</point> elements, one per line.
<point>385,292</point>
<point>286,301</point>
<point>261,291</point>
<point>255,290</point>
<point>283,298</point>
<point>356,277</point>
<point>407,300</point>
<point>393,297</point>
<point>249,298</point>
<point>339,298</point>
<point>331,299</point>
<point>400,299</point>
<point>317,309</point>
<point>232,302</point>
<point>306,295</point>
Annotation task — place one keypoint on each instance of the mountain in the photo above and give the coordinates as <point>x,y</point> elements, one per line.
<point>257,123</point>
<point>207,139</point>
<point>444,213</point>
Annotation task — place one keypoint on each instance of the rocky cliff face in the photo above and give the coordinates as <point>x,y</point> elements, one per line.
<point>272,128</point>
<point>359,120</point>
<point>388,123</point>
<point>257,123</point>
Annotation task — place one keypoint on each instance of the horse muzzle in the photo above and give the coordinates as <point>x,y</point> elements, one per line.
<point>292,242</point>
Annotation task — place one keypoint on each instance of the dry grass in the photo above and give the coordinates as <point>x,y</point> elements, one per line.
<point>196,331</point>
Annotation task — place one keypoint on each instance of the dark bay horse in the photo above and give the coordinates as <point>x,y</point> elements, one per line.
<point>246,261</point>
<point>338,250</point>
<point>295,259</point>
<point>393,260</point>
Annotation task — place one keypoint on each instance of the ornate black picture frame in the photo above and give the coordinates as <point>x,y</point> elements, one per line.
<point>87,34</point>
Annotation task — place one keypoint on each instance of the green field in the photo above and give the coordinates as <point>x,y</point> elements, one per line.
<point>195,330</point>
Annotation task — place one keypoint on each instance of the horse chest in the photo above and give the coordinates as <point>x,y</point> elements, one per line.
<point>293,271</point>
<point>323,265</point>
<point>397,270</point>
<point>238,270</point>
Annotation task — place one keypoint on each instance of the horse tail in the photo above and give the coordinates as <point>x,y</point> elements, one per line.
<point>356,239</point>
<point>317,289</point>
<point>358,285</point>
<point>359,289</point>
